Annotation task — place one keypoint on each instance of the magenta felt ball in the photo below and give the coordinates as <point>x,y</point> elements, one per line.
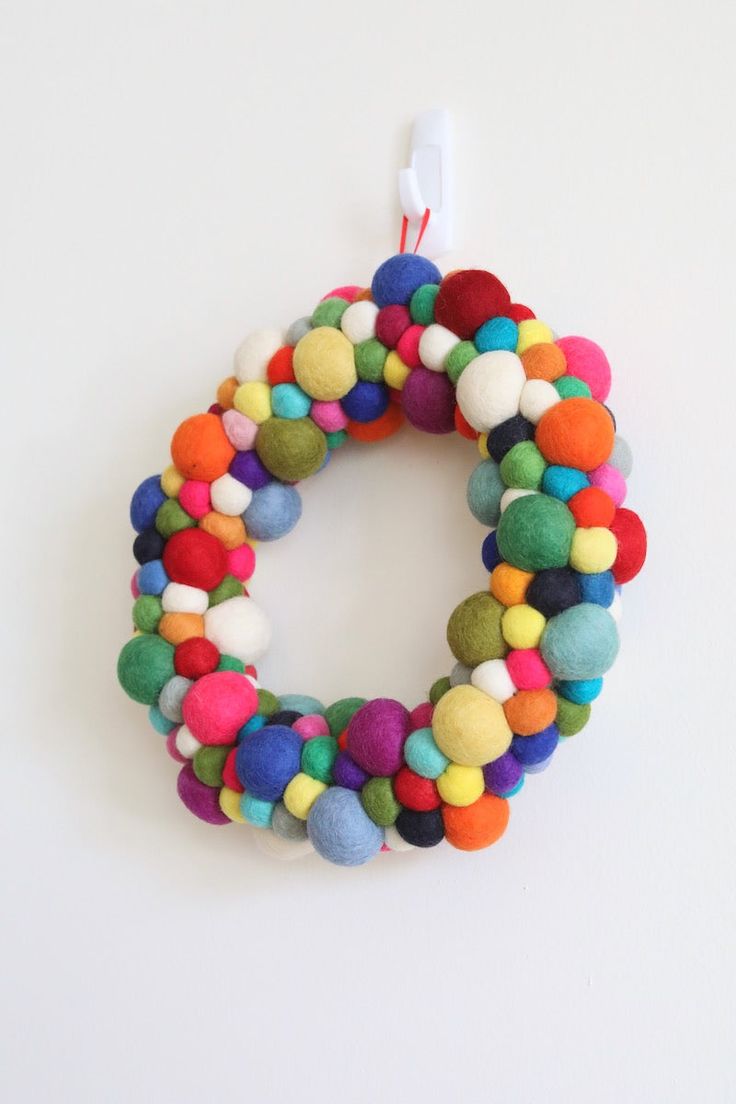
<point>408,346</point>
<point>376,736</point>
<point>203,801</point>
<point>610,480</point>
<point>421,716</point>
<point>527,669</point>
<point>391,323</point>
<point>589,363</point>
<point>218,705</point>
<point>428,399</point>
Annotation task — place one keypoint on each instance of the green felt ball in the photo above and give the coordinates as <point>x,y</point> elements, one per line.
<point>230,663</point>
<point>484,491</point>
<point>230,587</point>
<point>329,312</point>
<point>171,518</point>
<point>291,448</point>
<point>459,358</point>
<point>144,665</point>
<point>335,439</point>
<point>570,387</point>
<point>474,629</point>
<point>339,713</point>
<point>147,612</point>
<point>318,755</point>
<point>377,797</point>
<point>535,533</point>
<point>370,357</point>
<point>268,703</point>
<point>421,306</point>
<point>438,689</point>
<point>208,763</point>
<point>571,717</point>
<point>523,466</point>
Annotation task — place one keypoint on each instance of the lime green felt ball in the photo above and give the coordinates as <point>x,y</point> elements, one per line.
<point>230,587</point>
<point>523,466</point>
<point>171,518</point>
<point>147,612</point>
<point>144,665</point>
<point>438,689</point>
<point>377,797</point>
<point>459,358</point>
<point>339,713</point>
<point>535,533</point>
<point>474,629</point>
<point>208,763</point>
<point>370,357</point>
<point>291,448</point>
<point>329,312</point>
<point>421,307</point>
<point>318,755</point>
<point>571,717</point>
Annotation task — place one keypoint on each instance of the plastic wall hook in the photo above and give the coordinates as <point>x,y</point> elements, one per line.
<point>427,183</point>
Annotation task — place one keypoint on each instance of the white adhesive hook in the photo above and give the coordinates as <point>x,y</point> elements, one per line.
<point>427,183</point>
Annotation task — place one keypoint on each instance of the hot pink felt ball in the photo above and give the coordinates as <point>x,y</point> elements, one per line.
<point>329,416</point>
<point>194,497</point>
<point>527,669</point>
<point>588,362</point>
<point>610,480</point>
<point>217,705</point>
<point>311,725</point>
<point>408,346</point>
<point>241,562</point>
<point>171,747</point>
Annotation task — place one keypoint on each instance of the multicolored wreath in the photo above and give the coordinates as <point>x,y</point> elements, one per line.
<point>363,776</point>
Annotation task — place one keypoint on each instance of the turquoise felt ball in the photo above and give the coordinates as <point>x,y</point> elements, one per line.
<point>580,643</point>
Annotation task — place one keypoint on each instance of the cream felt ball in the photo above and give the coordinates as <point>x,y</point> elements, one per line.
<point>489,390</point>
<point>186,743</point>
<point>324,364</point>
<point>217,705</point>
<point>180,598</point>
<point>580,643</point>
<point>493,678</point>
<point>238,627</point>
<point>510,495</point>
<point>358,322</point>
<point>435,345</point>
<point>253,354</point>
<point>537,396</point>
<point>229,496</point>
<point>469,727</point>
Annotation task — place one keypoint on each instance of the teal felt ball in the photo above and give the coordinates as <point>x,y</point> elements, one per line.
<point>535,533</point>
<point>580,643</point>
<point>485,488</point>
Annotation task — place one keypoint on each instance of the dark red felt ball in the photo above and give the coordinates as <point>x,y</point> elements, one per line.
<point>391,323</point>
<point>414,792</point>
<point>629,531</point>
<point>467,299</point>
<point>517,312</point>
<point>195,657</point>
<point>195,558</point>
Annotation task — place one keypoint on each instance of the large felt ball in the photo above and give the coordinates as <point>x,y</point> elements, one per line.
<point>202,800</point>
<point>218,705</point>
<point>420,829</point>
<point>254,353</point>
<point>376,736</point>
<point>200,448</point>
<point>396,280</point>
<point>273,512</point>
<point>580,643</point>
<point>576,433</point>
<point>195,558</point>
<point>535,532</point>
<point>341,830</point>
<point>428,399</point>
<point>365,401</point>
<point>629,531</point>
<point>478,825</point>
<point>469,727</point>
<point>467,299</point>
<point>324,364</point>
<point>587,362</point>
<point>267,760</point>
<point>147,498</point>
<point>238,627</point>
<point>474,629</point>
<point>145,664</point>
<point>291,448</point>
<point>485,488</point>
<point>489,390</point>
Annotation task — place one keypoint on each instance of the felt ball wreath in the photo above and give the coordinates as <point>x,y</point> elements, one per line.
<point>356,777</point>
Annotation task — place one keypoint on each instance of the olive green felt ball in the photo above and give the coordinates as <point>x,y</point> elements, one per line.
<point>268,703</point>
<point>230,587</point>
<point>339,713</point>
<point>171,518</point>
<point>523,466</point>
<point>208,763</point>
<point>535,533</point>
<point>421,305</point>
<point>144,665</point>
<point>459,358</point>
<point>379,802</point>
<point>439,688</point>
<point>370,357</point>
<point>147,612</point>
<point>318,755</point>
<point>571,717</point>
<point>291,448</point>
<point>230,663</point>
<point>474,630</point>
<point>329,312</point>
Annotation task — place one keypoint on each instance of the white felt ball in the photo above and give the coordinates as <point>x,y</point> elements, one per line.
<point>358,322</point>
<point>493,678</point>
<point>253,354</point>
<point>511,494</point>
<point>537,396</point>
<point>489,389</point>
<point>276,847</point>
<point>254,682</point>
<point>616,608</point>
<point>179,598</point>
<point>230,496</point>
<point>435,345</point>
<point>394,840</point>
<point>186,744</point>
<point>238,627</point>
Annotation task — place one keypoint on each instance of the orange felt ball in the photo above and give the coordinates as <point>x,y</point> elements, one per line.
<point>200,448</point>
<point>509,584</point>
<point>230,531</point>
<point>530,711</point>
<point>464,427</point>
<point>576,433</point>
<point>178,627</point>
<point>592,508</point>
<point>478,825</point>
<point>544,361</point>
<point>225,392</point>
<point>389,422</point>
<point>281,366</point>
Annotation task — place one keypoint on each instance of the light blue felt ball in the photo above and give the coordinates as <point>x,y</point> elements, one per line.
<point>301,703</point>
<point>289,401</point>
<point>580,643</point>
<point>273,511</point>
<point>485,488</point>
<point>340,829</point>
<point>423,755</point>
<point>256,811</point>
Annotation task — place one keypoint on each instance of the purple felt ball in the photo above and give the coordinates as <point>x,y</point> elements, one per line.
<point>203,801</point>
<point>347,773</point>
<point>428,399</point>
<point>376,736</point>
<point>248,468</point>
<point>502,774</point>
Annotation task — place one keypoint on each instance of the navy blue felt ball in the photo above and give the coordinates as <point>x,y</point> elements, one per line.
<point>284,717</point>
<point>530,750</point>
<point>598,588</point>
<point>366,401</point>
<point>267,760</point>
<point>554,590</point>
<point>148,545</point>
<point>396,280</point>
<point>489,551</point>
<point>509,433</point>
<point>421,829</point>
<point>145,503</point>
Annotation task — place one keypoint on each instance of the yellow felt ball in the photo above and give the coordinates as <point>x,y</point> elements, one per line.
<point>254,400</point>
<point>395,371</point>
<point>532,332</point>
<point>324,364</point>
<point>522,626</point>
<point>593,550</point>
<point>470,727</point>
<point>301,794</point>
<point>230,804</point>
<point>460,785</point>
<point>483,446</point>
<point>172,481</point>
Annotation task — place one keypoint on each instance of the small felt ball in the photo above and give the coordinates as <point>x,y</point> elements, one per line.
<point>217,705</point>
<point>522,626</point>
<point>468,298</point>
<point>297,330</point>
<point>148,545</point>
<point>268,704</point>
<point>570,387</point>
<point>178,627</point>
<point>253,354</point>
<point>203,801</point>
<point>527,669</point>
<point>576,433</point>
<point>580,691</point>
<point>248,469</point>
<point>459,675</point>
<point>391,323</point>
<point>610,480</point>
<point>511,494</point>
<point>179,598</point>
<point>358,322</point>
<point>171,481</point>
<point>470,727</point>
<point>621,457</point>
<point>478,825</point>
<point>537,397</point>
<point>171,747</point>
<point>324,364</point>
<point>187,744</point>
<point>230,531</point>
<point>407,346</point>
<point>377,798</point>
<point>485,487</point>
<point>591,507</point>
<point>273,512</point>
<point>397,279</point>
<point>144,505</point>
<point>158,721</point>
<point>340,829</point>
<point>347,773</point>
<point>238,627</point>
<point>280,368</point>
<point>507,435</point>
<point>532,332</point>
<point>194,497</point>
<point>365,401</point>
<point>291,449</point>
<point>230,587</point>
<point>195,558</point>
<point>255,811</point>
<point>428,400</point>
<point>208,763</point>
<point>286,825</point>
<point>530,711</point>
<point>171,518</point>
<point>151,578</point>
<point>145,664</point>
<point>459,358</point>
<point>420,829</point>
<point>423,755</point>
<point>544,361</point>
<point>493,678</point>
<point>459,785</point>
<point>503,775</point>
<point>253,399</point>
<point>571,717</point>
<point>535,532</point>
<point>339,713</point>
<point>422,302</point>
<point>587,362</point>
<point>489,551</point>
<point>229,496</point>
<point>563,483</point>
<point>466,430</point>
<point>196,657</point>
<point>393,840</point>
<point>329,416</point>
<point>421,715</point>
<point>147,612</point>
<point>435,346</point>
<point>241,562</point>
<point>267,760</point>
<point>289,401</point>
<point>509,584</point>
<point>474,629</point>
<point>376,736</point>
<point>523,466</point>
<point>200,448</point>
<point>301,794</point>
<point>497,333</point>
<point>329,311</point>
<point>301,703</point>
<point>370,358</point>
<point>631,537</point>
<point>318,755</point>
<point>593,550</point>
<point>580,643</point>
<point>395,371</point>
<point>537,748</point>
<point>171,697</point>
<point>489,390</point>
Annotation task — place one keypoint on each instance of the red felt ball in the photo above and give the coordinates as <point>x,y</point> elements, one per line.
<point>196,558</point>
<point>229,773</point>
<point>629,531</point>
<point>517,312</point>
<point>281,366</point>
<point>414,792</point>
<point>464,427</point>
<point>592,507</point>
<point>467,299</point>
<point>391,323</point>
<point>195,657</point>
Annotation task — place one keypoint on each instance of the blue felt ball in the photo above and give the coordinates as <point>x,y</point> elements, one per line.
<point>580,643</point>
<point>267,760</point>
<point>531,750</point>
<point>341,830</point>
<point>151,577</point>
<point>289,401</point>
<point>159,722</point>
<point>537,768</point>
<point>301,703</point>
<point>366,401</point>
<point>497,333</point>
<point>485,488</point>
<point>489,552</point>
<point>598,588</point>
<point>396,280</point>
<point>145,503</point>
<point>273,511</point>
<point>580,691</point>
<point>253,725</point>
<point>256,811</point>
<point>563,483</point>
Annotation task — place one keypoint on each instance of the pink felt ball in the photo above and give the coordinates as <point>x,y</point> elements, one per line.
<point>217,705</point>
<point>241,562</point>
<point>391,323</point>
<point>589,363</point>
<point>611,481</point>
<point>329,416</point>
<point>171,747</point>
<point>134,588</point>
<point>349,292</point>
<point>528,670</point>
<point>376,736</point>
<point>194,497</point>
<point>421,716</point>
<point>240,431</point>
<point>408,346</point>
<point>311,725</point>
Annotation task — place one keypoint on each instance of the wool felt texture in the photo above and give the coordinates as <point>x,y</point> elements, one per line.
<point>377,798</point>
<point>593,550</point>
<point>253,354</point>
<point>490,555</point>
<point>460,675</point>
<point>196,657</point>
<point>241,431</point>
<point>280,370</point>
<point>291,449</point>
<point>438,688</point>
<point>421,829</point>
<point>388,423</point>
<point>563,483</point>
<point>422,754</point>
<point>311,726</point>
<point>273,512</point>
<point>144,505</point>
<point>170,517</point>
<point>535,533</point>
<point>590,507</point>
<point>289,401</point>
<point>407,347</point>
<point>230,587</point>
<point>494,679</point>
<point>341,830</point>
<point>208,763</point>
<point>580,691</point>
<point>158,722</point>
<point>435,346</point>
<point>248,467</point>
<point>489,390</point>
<point>324,364</point>
<point>256,812</point>
<point>238,627</point>
<point>151,578</point>
<point>301,703</point>
<point>421,715</point>
<point>318,756</point>
<point>297,330</point>
<point>527,669</point>
<point>365,401</point>
<point>145,664</point>
<point>467,299</point>
<point>571,717</point>
<point>376,735</point>
<point>543,361</point>
<point>230,531</point>
<point>202,800</point>
<point>469,727</point>
<point>588,362</point>
<point>460,785</point>
<point>530,711</point>
<point>267,760</point>
<point>485,487</point>
<point>580,643</point>
<point>523,466</point>
<point>171,697</point>
<point>195,558</point>
<point>147,612</point>
<point>537,397</point>
<point>253,399</point>
<point>187,745</point>
<point>347,773</point>
<point>478,825</point>
<point>503,774</point>
<point>554,590</point>
<point>522,626</point>
<point>576,433</point>
<point>358,322</point>
<point>474,629</point>
<point>458,359</point>
<point>599,588</point>
<point>268,706</point>
<point>610,480</point>
<point>329,416</point>
<point>286,825</point>
<point>330,311</point>
<point>241,562</point>
<point>399,277</point>
<point>391,322</point>
<point>200,448</point>
<point>339,714</point>
<point>631,540</point>
<point>421,304</point>
<point>622,457</point>
<point>148,545</point>
<point>179,598</point>
<point>178,627</point>
<point>509,584</point>
<point>301,794</point>
<point>413,791</point>
<point>218,705</point>
<point>370,358</point>
<point>428,401</point>
<point>497,333</point>
<point>535,749</point>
